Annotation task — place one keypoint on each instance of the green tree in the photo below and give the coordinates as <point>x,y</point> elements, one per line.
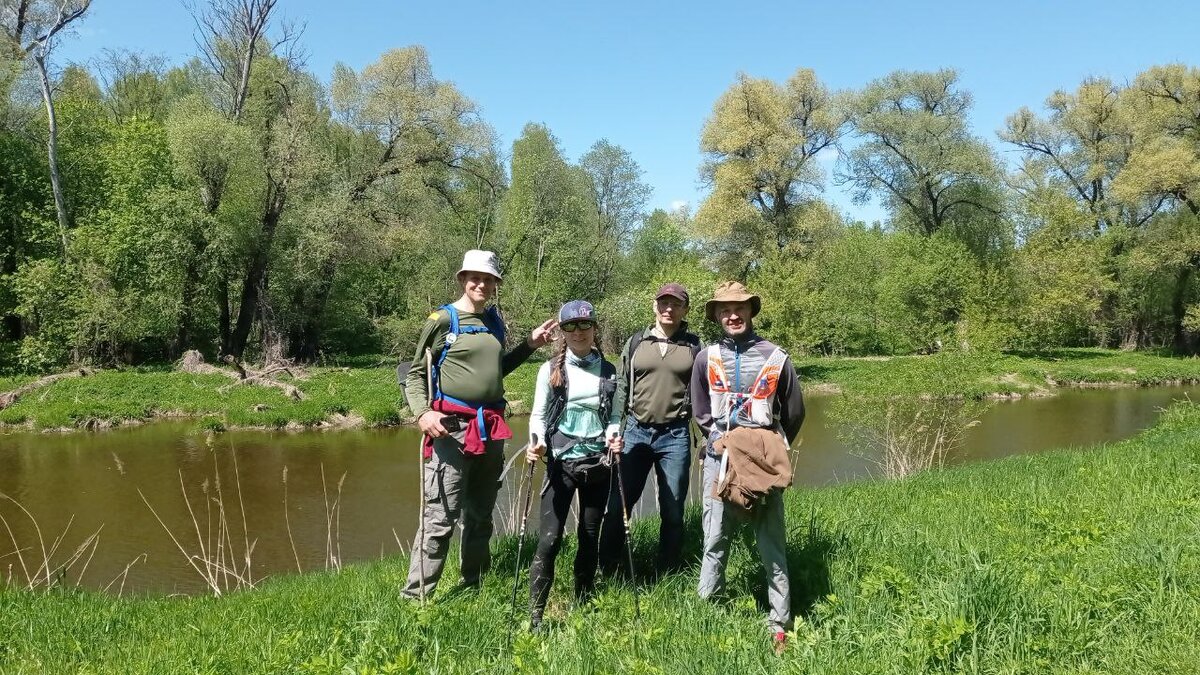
<point>30,31</point>
<point>1166,165</point>
<point>761,147</point>
<point>548,245</point>
<point>917,154</point>
<point>618,198</point>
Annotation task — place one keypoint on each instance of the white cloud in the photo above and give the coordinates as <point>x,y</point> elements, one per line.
<point>827,155</point>
<point>678,205</point>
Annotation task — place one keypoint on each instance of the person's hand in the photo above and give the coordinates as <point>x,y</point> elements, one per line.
<point>534,452</point>
<point>540,336</point>
<point>616,444</point>
<point>430,423</point>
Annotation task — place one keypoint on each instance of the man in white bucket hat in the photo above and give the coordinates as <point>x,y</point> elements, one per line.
<point>462,418</point>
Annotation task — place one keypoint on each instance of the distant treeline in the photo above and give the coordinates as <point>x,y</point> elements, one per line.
<point>240,204</point>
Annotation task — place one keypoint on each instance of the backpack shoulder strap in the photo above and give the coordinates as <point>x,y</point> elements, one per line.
<point>607,370</point>
<point>494,322</point>
<point>555,406</point>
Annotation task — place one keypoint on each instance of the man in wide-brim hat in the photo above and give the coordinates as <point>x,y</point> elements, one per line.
<point>746,398</point>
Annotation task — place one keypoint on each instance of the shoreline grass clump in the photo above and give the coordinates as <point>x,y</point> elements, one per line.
<point>1069,561</point>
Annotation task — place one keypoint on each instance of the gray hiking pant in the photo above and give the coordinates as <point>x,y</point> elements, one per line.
<point>721,522</point>
<point>456,485</point>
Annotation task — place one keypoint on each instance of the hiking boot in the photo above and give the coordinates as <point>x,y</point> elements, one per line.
<point>535,624</point>
<point>584,593</point>
<point>780,642</point>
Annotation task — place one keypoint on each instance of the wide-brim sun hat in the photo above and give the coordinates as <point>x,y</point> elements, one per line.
<point>732,291</point>
<point>486,262</point>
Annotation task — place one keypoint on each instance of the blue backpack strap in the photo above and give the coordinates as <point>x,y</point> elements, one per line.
<point>492,318</point>
<point>437,367</point>
<point>493,325</point>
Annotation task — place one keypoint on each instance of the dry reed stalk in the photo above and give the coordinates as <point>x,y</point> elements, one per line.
<point>247,545</point>
<point>47,573</point>
<point>217,562</point>
<point>124,574</point>
<point>287,521</point>
<point>333,520</point>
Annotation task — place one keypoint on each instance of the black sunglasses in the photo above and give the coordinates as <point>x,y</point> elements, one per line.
<point>572,326</point>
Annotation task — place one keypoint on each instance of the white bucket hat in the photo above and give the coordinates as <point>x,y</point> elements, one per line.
<point>481,261</point>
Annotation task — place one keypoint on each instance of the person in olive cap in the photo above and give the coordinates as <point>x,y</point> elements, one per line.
<point>747,401</point>
<point>652,395</point>
<point>462,419</point>
<point>572,407</point>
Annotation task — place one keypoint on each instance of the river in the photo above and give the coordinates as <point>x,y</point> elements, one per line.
<point>352,495</point>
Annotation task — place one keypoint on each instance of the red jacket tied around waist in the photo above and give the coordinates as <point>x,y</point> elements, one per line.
<point>482,424</point>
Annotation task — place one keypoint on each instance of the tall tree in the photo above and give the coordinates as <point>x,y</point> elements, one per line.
<point>417,154</point>
<point>1082,145</point>
<point>918,155</point>
<point>30,28</point>
<point>761,147</point>
<point>1166,165</point>
<point>285,118</point>
<point>1166,162</point>
<point>233,37</point>
<point>547,246</point>
<point>619,199</point>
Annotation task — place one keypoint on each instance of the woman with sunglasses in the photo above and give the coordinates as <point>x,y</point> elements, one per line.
<point>572,406</point>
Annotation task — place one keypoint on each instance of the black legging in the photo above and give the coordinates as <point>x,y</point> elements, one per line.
<point>561,485</point>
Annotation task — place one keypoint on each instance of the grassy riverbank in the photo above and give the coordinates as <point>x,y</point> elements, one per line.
<point>367,395</point>
<point>1072,561</point>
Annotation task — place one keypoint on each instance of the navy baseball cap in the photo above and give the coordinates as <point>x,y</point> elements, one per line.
<point>577,310</point>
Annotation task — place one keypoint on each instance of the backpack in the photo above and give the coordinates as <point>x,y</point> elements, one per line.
<point>493,325</point>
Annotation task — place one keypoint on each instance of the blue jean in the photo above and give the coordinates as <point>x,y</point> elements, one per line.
<point>667,449</point>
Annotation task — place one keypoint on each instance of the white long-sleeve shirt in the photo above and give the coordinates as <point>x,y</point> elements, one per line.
<point>581,415</point>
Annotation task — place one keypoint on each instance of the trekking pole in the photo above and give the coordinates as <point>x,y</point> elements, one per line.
<point>421,476</point>
<point>637,610</point>
<point>521,535</point>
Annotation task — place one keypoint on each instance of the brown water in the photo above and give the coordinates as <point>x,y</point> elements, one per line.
<point>96,478</point>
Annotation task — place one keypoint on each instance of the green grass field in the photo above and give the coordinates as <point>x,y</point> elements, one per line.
<point>370,392</point>
<point>1076,561</point>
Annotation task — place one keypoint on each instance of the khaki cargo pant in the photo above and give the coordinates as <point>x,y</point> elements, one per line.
<point>456,485</point>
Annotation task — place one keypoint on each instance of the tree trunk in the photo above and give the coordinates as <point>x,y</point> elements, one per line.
<point>60,201</point>
<point>308,341</point>
<point>191,281</point>
<point>1183,281</point>
<point>256,272</point>
<point>223,321</point>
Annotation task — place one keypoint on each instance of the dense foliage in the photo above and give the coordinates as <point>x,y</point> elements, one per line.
<point>284,215</point>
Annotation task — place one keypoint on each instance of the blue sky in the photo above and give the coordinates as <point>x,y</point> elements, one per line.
<point>645,75</point>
